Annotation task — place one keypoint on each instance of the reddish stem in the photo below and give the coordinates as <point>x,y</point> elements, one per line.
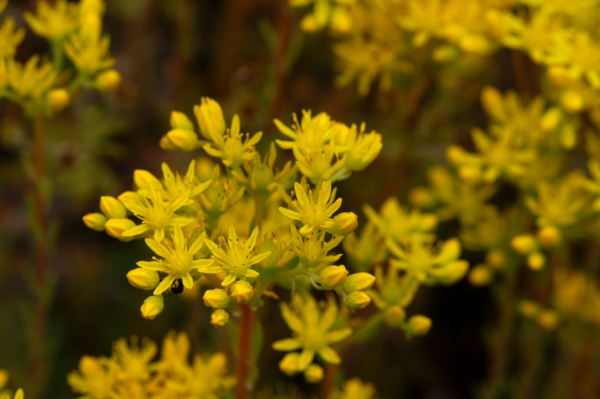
<point>244,355</point>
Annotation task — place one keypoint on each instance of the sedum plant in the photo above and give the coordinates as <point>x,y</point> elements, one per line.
<point>289,239</point>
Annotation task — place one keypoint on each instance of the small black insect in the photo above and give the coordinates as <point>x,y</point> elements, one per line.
<point>177,287</point>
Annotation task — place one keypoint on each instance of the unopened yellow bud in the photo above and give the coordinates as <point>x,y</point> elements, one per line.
<point>572,101</point>
<point>182,140</point>
<point>90,366</point>
<point>470,174</point>
<point>210,118</point>
<point>419,325</point>
<point>529,309</point>
<point>95,221</point>
<point>58,99</point>
<point>242,291</point>
<point>559,76</point>
<point>332,277</point>
<point>421,197</point>
<point>309,24</point>
<point>289,363</point>
<point>358,282</point>
<point>524,244</point>
<point>480,276</point>
<point>144,179</point>
<point>450,272</point>
<point>219,318</point>
<point>216,298</point>
<point>314,374</point>
<point>358,300</point>
<point>536,261</point>
<point>179,120</point>
<point>491,99</point>
<point>394,316</point>
<point>112,208</point>
<point>551,119</point>
<point>548,319</point>
<point>345,223</point>
<point>495,258</point>
<point>116,227</point>
<point>165,144</point>
<point>152,307</point>
<point>108,81</point>
<point>129,197</point>
<point>341,21</point>
<point>143,278</point>
<point>549,236</point>
<point>455,155</point>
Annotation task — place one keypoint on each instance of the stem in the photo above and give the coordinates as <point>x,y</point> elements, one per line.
<point>329,381</point>
<point>38,359</point>
<point>244,355</point>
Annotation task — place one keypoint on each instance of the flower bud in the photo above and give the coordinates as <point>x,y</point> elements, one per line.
<point>549,236</point>
<point>108,81</point>
<point>332,277</point>
<point>419,325</point>
<point>152,307</point>
<point>480,276</point>
<point>219,318</point>
<point>358,300</point>
<point>179,120</point>
<point>165,144</point>
<point>495,258</point>
<point>551,119</point>
<point>421,197</point>
<point>90,366</point>
<point>528,309</point>
<point>470,174</point>
<point>182,140</point>
<point>143,278</point>
<point>548,319</point>
<point>524,244</point>
<point>572,101</point>
<point>128,197</point>
<point>450,272</point>
<point>345,223</point>
<point>289,363</point>
<point>536,261</point>
<point>242,291</point>
<point>144,179</point>
<point>95,221</point>
<point>492,102</point>
<point>394,316</point>
<point>210,118</point>
<point>313,374</point>
<point>112,208</point>
<point>216,298</point>
<point>116,227</point>
<point>358,282</point>
<point>558,75</point>
<point>58,99</point>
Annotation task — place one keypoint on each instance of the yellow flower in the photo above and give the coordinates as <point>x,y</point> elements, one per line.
<point>362,148</point>
<point>354,388</point>
<point>178,262</point>
<point>89,52</point>
<point>207,377</point>
<point>367,250</point>
<point>9,37</point>
<point>54,22</point>
<point>311,327</point>
<point>312,250</point>
<point>315,209</point>
<point>430,265</point>
<point>316,164</point>
<point>311,134</point>
<point>230,147</point>
<point>174,353</point>
<point>235,256</point>
<point>33,79</point>
<point>395,222</point>
<point>210,118</point>
<point>94,379</point>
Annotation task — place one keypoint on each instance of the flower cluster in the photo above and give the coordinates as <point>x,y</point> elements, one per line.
<point>73,30</point>
<point>132,372</point>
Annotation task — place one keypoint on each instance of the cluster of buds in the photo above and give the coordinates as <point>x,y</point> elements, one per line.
<point>219,299</point>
